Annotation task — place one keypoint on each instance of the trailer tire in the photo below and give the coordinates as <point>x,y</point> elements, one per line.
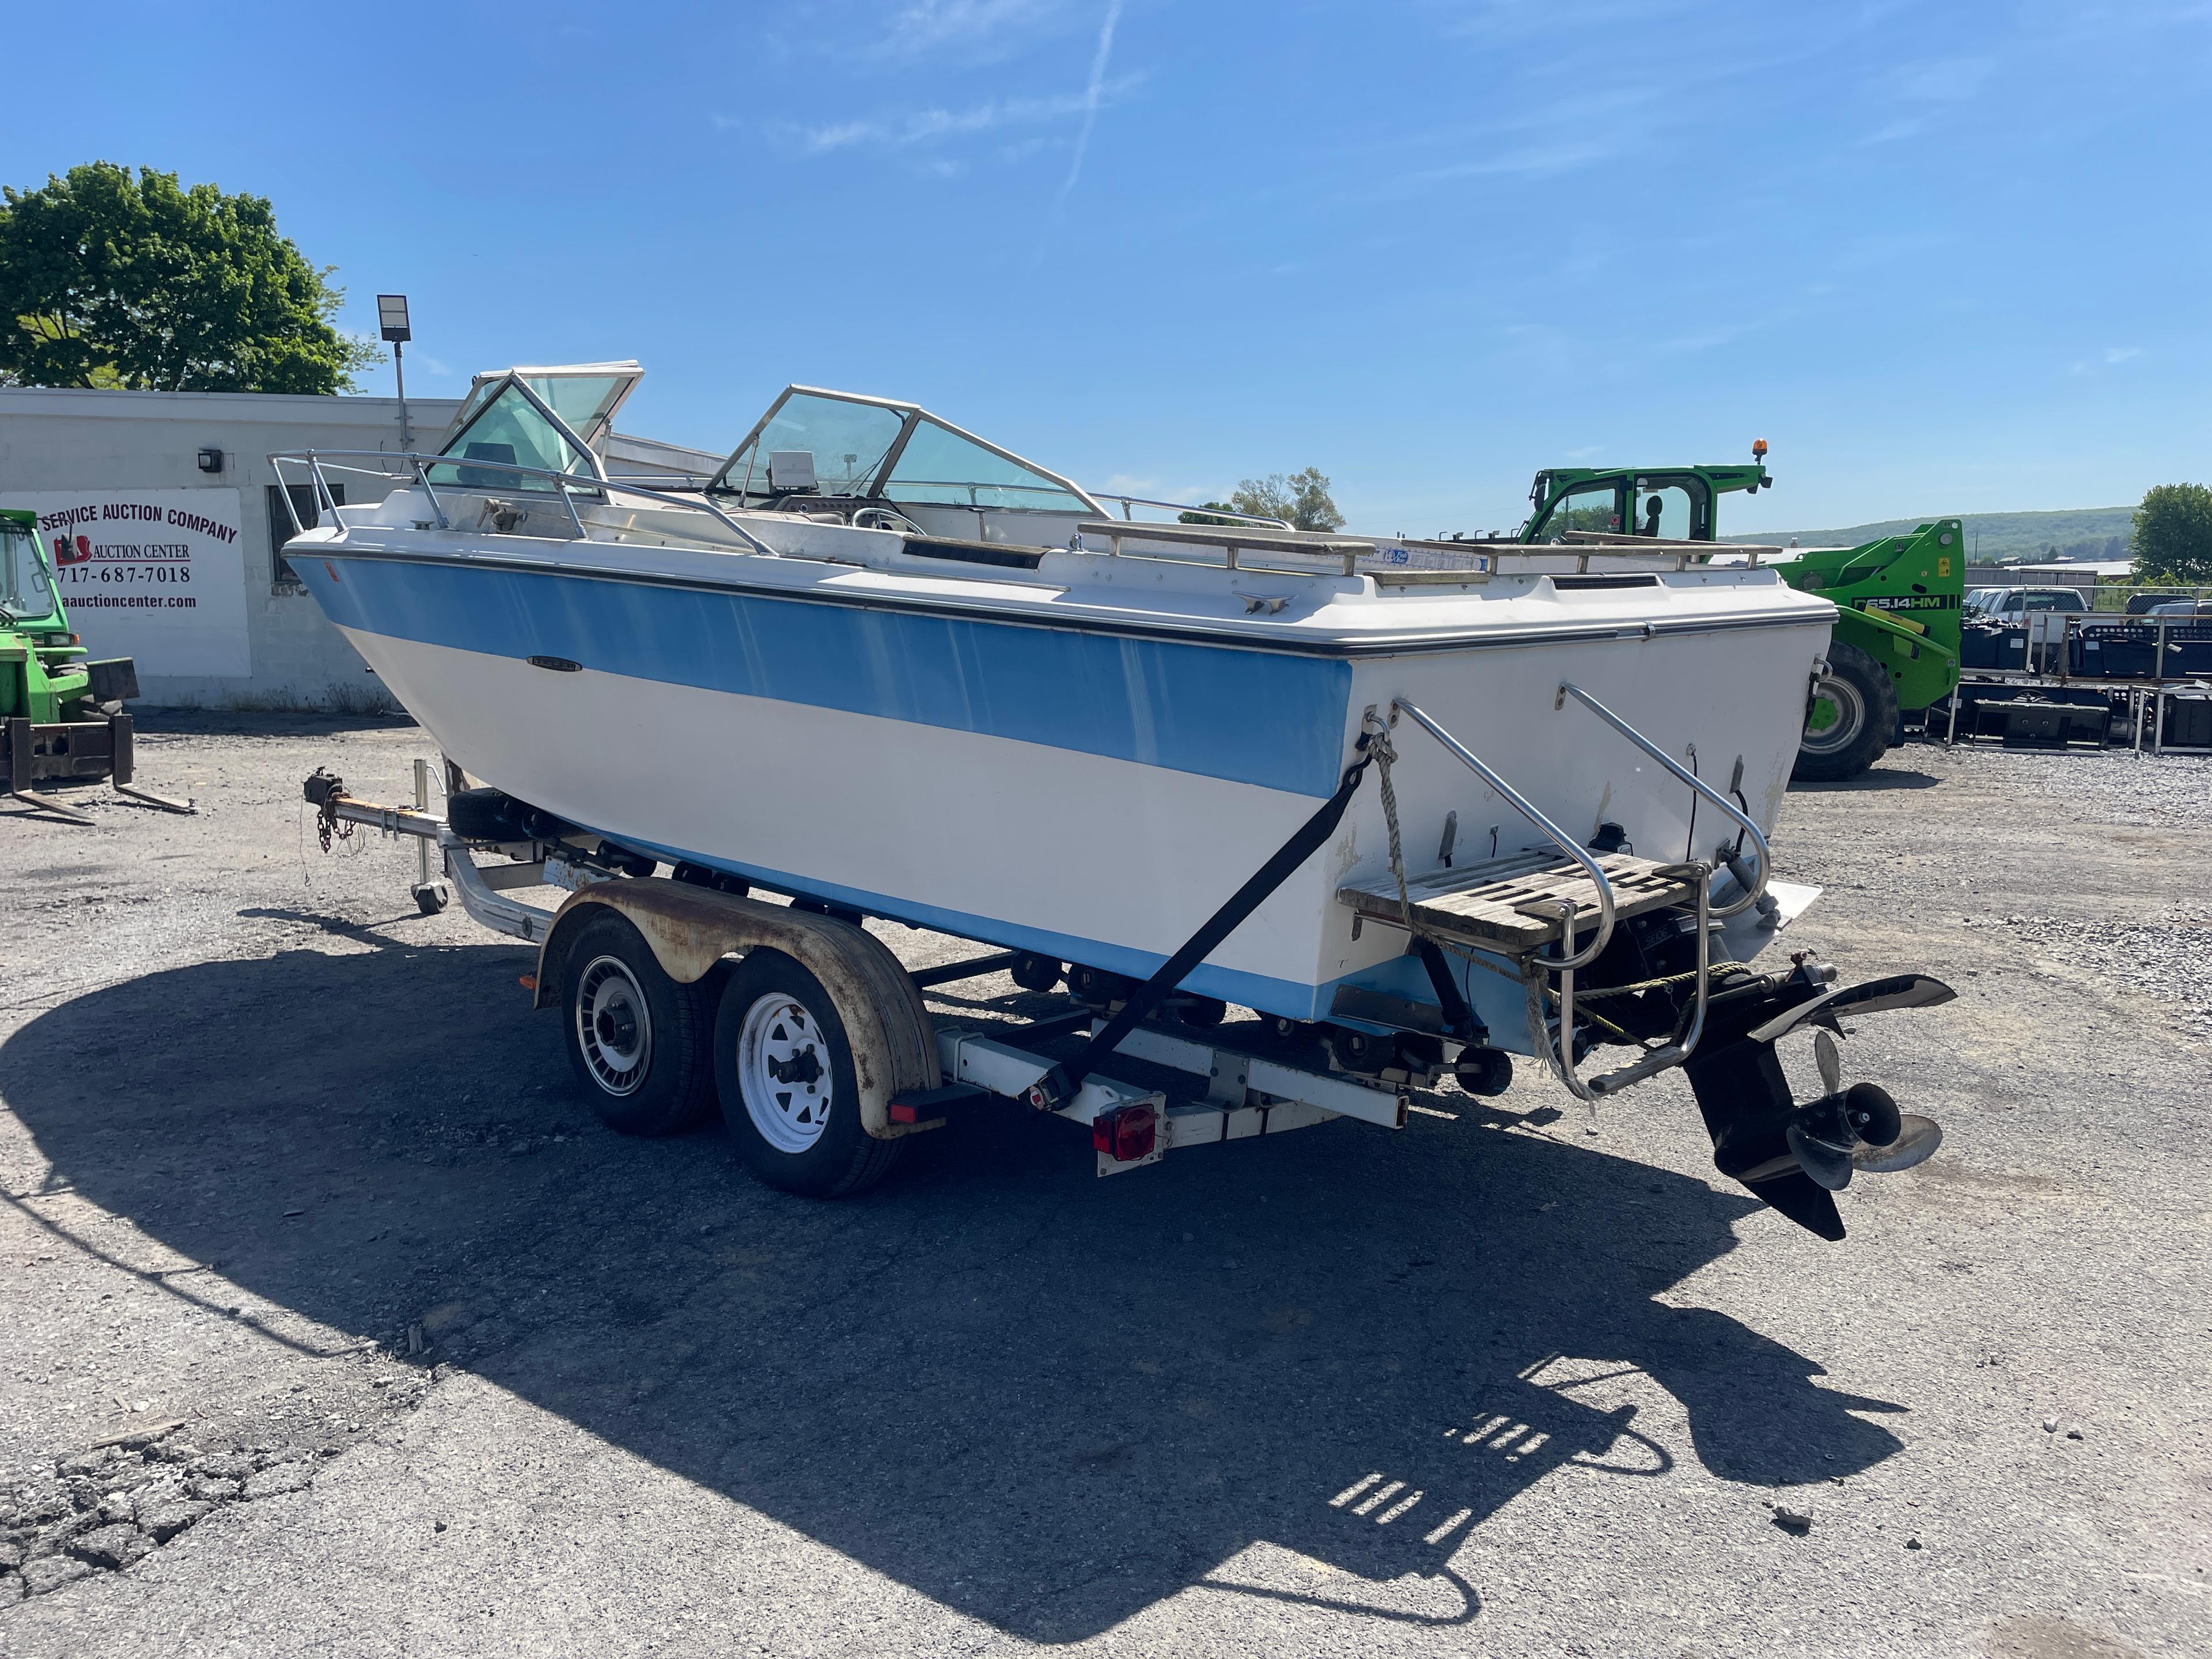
<point>1863,701</point>
<point>779,1040</point>
<point>637,1039</point>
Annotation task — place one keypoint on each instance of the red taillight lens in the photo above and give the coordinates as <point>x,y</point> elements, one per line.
<point>1126,1133</point>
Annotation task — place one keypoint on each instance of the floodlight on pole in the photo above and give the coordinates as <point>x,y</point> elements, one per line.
<point>392,323</point>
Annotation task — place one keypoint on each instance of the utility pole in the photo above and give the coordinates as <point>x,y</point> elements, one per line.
<point>391,322</point>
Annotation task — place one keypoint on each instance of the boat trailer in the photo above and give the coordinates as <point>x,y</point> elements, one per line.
<point>628,954</point>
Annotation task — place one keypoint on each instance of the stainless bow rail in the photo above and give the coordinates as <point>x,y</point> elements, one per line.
<point>567,485</point>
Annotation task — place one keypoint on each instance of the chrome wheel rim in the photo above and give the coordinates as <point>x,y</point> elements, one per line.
<point>1850,716</point>
<point>784,1072</point>
<point>614,1025</point>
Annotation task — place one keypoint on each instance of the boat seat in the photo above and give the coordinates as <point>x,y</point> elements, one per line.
<point>1493,905</point>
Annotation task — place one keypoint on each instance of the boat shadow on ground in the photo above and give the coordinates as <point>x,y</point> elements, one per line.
<point>1045,1399</point>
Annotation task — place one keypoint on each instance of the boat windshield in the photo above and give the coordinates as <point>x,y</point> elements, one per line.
<point>821,444</point>
<point>553,418</point>
<point>511,427</point>
<point>26,589</point>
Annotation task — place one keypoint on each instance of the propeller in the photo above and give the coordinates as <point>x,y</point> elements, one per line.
<point>1860,1127</point>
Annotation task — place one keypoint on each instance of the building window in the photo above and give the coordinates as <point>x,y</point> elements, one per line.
<point>285,579</point>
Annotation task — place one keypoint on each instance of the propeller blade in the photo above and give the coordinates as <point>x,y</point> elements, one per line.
<point>1827,1166</point>
<point>1831,1063</point>
<point>1917,1138</point>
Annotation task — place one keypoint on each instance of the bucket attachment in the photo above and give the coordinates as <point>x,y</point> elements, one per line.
<point>1797,1157</point>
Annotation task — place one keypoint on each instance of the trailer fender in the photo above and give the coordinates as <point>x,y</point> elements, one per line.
<point>690,929</point>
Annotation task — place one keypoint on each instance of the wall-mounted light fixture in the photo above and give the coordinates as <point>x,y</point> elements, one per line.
<point>210,460</point>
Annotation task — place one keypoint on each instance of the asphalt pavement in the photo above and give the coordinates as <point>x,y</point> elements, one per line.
<point>336,1324</point>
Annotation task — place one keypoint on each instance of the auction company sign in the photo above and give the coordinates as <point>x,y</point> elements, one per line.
<point>158,575</point>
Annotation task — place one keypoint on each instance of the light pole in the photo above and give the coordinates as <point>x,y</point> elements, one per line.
<point>391,320</point>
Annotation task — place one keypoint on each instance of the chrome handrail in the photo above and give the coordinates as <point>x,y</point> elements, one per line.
<point>566,484</point>
<point>1128,501</point>
<point>1564,964</point>
<point>1752,895</point>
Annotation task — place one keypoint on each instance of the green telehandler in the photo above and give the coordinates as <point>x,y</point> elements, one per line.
<point>1895,651</point>
<point>61,716</point>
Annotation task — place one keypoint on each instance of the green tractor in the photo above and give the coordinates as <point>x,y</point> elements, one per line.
<point>61,716</point>
<point>1895,651</point>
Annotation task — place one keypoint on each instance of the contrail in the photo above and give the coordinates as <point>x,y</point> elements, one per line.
<point>1091,96</point>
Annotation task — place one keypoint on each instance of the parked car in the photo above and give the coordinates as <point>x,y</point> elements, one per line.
<point>2142,604</point>
<point>2190,608</point>
<point>1979,601</point>
<point>2043,612</point>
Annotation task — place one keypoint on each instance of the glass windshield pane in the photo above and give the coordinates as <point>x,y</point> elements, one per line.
<point>579,399</point>
<point>940,466</point>
<point>1592,507</point>
<point>846,442</point>
<point>509,429</point>
<point>1664,512</point>
<point>26,589</point>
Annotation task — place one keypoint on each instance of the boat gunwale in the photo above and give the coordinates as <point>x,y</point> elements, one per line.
<point>1225,633</point>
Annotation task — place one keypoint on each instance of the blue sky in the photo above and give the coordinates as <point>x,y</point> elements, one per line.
<point>1943,257</point>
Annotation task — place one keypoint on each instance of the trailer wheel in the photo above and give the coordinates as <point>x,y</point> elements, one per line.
<point>784,1066</point>
<point>637,1039</point>
<point>1853,712</point>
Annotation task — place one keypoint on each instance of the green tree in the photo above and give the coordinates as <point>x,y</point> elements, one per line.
<point>2174,534</point>
<point>1207,513</point>
<point>1301,500</point>
<point>107,279</point>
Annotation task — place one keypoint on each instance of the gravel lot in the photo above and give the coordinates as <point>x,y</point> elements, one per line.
<point>336,1324</point>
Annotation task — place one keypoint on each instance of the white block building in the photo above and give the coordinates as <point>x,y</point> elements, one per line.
<point>149,487</point>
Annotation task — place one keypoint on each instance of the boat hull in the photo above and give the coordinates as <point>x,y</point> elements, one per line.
<point>1092,796</point>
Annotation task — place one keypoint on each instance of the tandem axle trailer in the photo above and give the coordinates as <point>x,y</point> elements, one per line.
<point>1195,1085</point>
<point>684,994</point>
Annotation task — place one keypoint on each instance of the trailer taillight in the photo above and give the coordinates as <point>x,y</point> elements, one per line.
<point>1126,1133</point>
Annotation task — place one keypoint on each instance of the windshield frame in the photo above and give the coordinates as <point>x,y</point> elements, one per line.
<point>911,416</point>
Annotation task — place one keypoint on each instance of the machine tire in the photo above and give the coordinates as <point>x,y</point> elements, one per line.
<point>1861,689</point>
<point>609,977</point>
<point>815,1145</point>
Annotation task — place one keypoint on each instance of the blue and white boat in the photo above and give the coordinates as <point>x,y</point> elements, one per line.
<point>878,663</point>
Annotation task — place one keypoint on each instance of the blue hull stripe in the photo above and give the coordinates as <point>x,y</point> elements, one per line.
<point>1248,716</point>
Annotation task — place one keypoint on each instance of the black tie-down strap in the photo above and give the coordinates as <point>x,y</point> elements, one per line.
<point>1218,927</point>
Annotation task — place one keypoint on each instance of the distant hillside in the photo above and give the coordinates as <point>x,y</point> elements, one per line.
<point>2086,532</point>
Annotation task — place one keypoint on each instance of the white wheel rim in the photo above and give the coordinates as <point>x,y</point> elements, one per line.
<point>1850,716</point>
<point>784,1071</point>
<point>614,1025</point>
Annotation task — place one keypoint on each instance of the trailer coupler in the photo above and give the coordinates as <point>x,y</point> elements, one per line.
<point>1797,1157</point>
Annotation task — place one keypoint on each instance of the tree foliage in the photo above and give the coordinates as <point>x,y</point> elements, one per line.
<point>108,279</point>
<point>2174,534</point>
<point>1300,500</point>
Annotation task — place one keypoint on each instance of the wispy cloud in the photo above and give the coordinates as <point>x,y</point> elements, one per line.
<point>929,126</point>
<point>1093,95</point>
<point>927,24</point>
<point>1938,80</point>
